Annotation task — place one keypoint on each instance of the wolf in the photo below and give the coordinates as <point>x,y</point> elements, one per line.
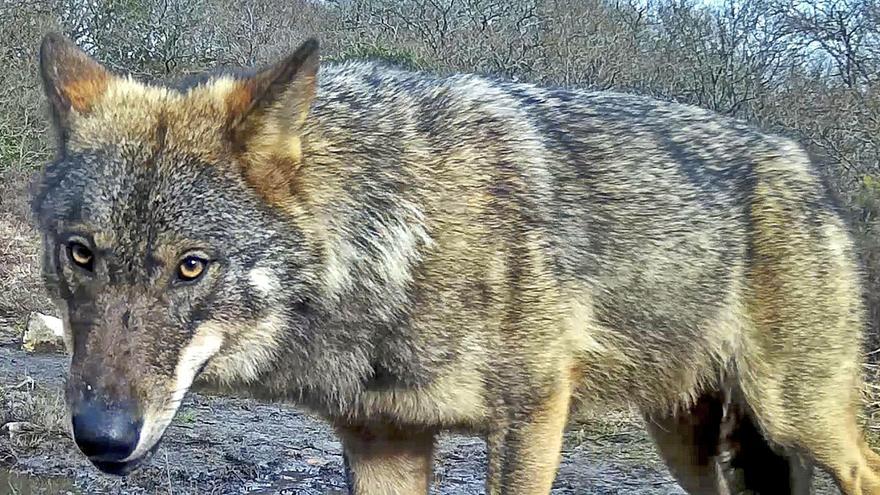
<point>406,254</point>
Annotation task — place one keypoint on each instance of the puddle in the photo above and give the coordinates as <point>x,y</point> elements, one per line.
<point>22,484</point>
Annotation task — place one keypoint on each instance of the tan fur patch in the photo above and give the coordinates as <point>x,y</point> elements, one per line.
<point>84,92</point>
<point>239,99</point>
<point>204,345</point>
<point>455,400</point>
<point>75,77</point>
<point>129,110</point>
<point>249,348</point>
<point>544,446</point>
<point>387,461</point>
<point>534,463</point>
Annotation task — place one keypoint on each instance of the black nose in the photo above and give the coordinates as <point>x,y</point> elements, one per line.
<point>105,433</point>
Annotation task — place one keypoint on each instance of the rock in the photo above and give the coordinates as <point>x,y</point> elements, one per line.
<point>44,333</point>
<point>17,428</point>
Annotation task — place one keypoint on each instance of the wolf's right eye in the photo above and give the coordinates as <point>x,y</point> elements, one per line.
<point>81,255</point>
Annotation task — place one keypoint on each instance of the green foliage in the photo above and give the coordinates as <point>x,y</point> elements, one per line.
<point>8,149</point>
<point>186,416</point>
<point>871,184</point>
<point>867,200</point>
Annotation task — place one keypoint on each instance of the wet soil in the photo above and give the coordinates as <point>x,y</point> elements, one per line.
<point>221,445</point>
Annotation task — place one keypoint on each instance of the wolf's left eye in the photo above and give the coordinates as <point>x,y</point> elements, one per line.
<point>81,255</point>
<point>191,268</point>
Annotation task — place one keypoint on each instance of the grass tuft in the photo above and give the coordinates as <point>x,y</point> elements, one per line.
<point>30,413</point>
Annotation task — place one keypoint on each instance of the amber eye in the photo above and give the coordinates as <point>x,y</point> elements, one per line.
<point>191,268</point>
<point>81,255</point>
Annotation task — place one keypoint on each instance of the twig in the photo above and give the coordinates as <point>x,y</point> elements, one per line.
<point>168,473</point>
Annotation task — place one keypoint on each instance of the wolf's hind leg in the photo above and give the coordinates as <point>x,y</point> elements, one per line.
<point>749,464</point>
<point>800,357</point>
<point>832,439</point>
<point>711,450</point>
<point>688,443</point>
<point>809,403</point>
<point>385,460</point>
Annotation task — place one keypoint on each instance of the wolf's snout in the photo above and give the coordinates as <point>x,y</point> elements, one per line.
<point>106,433</point>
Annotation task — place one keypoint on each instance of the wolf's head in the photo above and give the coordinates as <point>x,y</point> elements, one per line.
<point>164,245</point>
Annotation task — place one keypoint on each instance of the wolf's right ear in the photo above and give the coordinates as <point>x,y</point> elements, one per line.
<point>73,81</point>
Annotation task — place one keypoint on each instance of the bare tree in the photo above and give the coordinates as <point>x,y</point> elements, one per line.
<point>798,67</point>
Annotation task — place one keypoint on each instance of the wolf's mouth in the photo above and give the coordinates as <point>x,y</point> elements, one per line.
<point>123,468</point>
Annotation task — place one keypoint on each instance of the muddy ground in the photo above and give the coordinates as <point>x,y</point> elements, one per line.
<point>227,446</point>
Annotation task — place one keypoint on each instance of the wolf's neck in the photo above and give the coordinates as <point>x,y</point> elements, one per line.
<point>367,215</point>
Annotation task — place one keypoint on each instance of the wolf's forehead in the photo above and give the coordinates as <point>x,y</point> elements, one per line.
<point>128,197</point>
<point>131,112</point>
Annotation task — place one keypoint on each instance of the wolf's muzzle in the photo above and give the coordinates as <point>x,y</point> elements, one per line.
<point>106,434</point>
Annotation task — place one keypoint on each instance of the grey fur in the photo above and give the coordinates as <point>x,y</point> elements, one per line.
<point>436,229</point>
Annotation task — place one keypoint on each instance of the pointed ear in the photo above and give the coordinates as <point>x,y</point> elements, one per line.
<point>276,100</point>
<point>73,81</point>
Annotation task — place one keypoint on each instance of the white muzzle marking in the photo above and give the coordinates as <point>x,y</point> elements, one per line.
<point>202,347</point>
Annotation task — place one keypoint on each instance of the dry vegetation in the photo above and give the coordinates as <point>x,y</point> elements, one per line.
<point>802,68</point>
<point>29,414</point>
<point>20,285</point>
<point>810,70</point>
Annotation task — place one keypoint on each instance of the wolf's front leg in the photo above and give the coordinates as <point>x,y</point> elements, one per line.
<point>525,449</point>
<point>386,460</point>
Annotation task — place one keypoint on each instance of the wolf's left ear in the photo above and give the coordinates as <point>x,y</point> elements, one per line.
<point>73,81</point>
<point>276,100</point>
<point>266,114</point>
